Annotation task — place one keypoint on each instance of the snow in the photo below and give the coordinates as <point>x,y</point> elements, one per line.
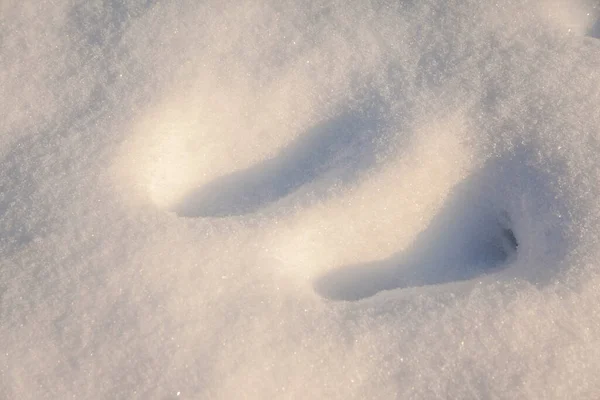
<point>283,199</point>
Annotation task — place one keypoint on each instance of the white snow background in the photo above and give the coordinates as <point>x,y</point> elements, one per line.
<point>320,199</point>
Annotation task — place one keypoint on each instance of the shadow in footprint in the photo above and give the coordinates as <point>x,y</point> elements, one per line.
<point>469,237</point>
<point>595,30</point>
<point>347,144</point>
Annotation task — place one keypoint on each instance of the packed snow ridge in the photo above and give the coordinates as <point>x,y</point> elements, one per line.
<point>280,199</point>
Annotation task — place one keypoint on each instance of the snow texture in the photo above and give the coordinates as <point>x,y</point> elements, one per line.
<point>299,199</point>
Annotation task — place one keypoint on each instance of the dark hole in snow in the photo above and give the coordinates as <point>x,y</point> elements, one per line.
<point>510,236</point>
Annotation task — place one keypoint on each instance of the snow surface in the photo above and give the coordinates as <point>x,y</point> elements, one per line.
<point>312,199</point>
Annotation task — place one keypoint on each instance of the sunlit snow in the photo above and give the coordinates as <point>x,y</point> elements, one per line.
<point>281,199</point>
